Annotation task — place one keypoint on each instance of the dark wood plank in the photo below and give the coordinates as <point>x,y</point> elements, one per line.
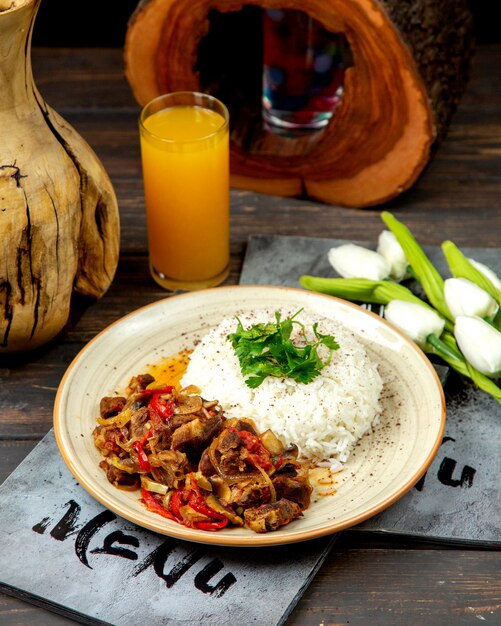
<point>82,78</point>
<point>381,587</point>
<point>15,612</point>
<point>12,452</point>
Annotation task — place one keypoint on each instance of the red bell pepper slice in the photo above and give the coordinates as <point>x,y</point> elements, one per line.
<point>142,457</point>
<point>153,504</point>
<point>164,409</point>
<point>211,525</point>
<point>197,503</point>
<point>258,454</point>
<point>176,501</point>
<point>157,390</point>
<point>195,500</point>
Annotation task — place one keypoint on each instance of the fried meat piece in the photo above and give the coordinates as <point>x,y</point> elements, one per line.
<point>139,383</point>
<point>122,480</point>
<point>193,437</point>
<point>292,483</point>
<point>111,406</point>
<point>168,467</point>
<point>249,493</point>
<point>268,517</point>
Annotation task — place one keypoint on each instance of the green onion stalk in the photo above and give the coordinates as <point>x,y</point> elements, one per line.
<point>447,349</point>
<point>422,268</point>
<point>385,291</point>
<point>365,290</point>
<point>461,267</point>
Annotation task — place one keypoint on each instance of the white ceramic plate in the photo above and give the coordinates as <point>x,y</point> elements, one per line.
<point>384,466</point>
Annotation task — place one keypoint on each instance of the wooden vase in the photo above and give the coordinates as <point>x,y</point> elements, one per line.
<point>410,64</point>
<point>59,221</point>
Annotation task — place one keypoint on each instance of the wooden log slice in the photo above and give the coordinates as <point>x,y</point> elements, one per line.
<point>410,65</point>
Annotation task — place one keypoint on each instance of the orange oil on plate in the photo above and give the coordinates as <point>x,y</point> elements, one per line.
<point>170,370</point>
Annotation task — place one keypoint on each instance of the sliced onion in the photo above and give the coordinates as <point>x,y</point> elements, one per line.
<point>151,485</point>
<point>123,466</point>
<point>203,482</point>
<point>119,421</point>
<point>190,390</point>
<point>210,404</point>
<point>188,404</point>
<point>273,493</point>
<point>272,443</point>
<point>166,499</point>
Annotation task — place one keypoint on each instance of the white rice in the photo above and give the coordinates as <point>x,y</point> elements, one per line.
<point>324,418</point>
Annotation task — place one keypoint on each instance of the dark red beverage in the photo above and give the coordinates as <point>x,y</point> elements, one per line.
<point>303,70</point>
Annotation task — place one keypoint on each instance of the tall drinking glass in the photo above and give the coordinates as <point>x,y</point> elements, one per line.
<point>185,159</point>
<point>303,70</point>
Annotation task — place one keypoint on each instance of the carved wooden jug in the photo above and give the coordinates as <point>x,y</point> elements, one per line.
<point>59,224</point>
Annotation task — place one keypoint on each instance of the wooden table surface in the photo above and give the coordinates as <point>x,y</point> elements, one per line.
<point>367,579</point>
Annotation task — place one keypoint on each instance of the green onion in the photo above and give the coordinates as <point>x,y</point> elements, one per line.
<point>422,267</point>
<point>364,290</point>
<point>447,349</point>
<point>461,268</point>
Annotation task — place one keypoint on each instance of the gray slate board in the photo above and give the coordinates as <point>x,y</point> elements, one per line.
<point>62,550</point>
<point>459,499</point>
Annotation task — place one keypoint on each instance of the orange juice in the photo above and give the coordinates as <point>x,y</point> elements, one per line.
<point>185,159</point>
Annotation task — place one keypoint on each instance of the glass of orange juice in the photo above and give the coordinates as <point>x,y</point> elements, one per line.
<point>185,160</point>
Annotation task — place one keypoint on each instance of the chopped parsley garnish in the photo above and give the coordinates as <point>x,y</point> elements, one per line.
<point>266,349</point>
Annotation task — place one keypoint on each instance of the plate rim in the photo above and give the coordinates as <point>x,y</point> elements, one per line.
<point>257,539</point>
